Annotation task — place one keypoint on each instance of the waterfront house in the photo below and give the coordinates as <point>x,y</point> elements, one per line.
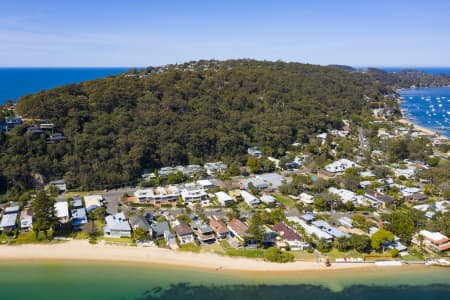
<point>237,228</point>
<point>138,221</point>
<point>79,217</point>
<point>26,219</point>
<point>219,228</point>
<point>159,229</point>
<point>62,211</point>
<point>184,232</point>
<point>289,236</point>
<point>205,234</point>
<point>435,241</point>
<point>9,219</point>
<point>117,226</point>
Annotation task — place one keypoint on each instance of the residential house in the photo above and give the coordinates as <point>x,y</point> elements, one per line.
<point>435,241</point>
<point>193,192</point>
<point>254,151</point>
<point>310,230</point>
<point>237,228</point>
<point>256,183</point>
<point>419,197</point>
<point>184,232</point>
<point>26,219</point>
<point>205,184</point>
<point>306,198</point>
<point>324,226</point>
<point>160,229</point>
<point>93,202</point>
<point>340,166</point>
<point>158,195</point>
<point>139,221</point>
<point>289,236</point>
<point>268,199</point>
<point>62,211</point>
<point>274,180</point>
<point>59,184</point>
<point>249,198</point>
<point>9,219</point>
<point>219,229</point>
<point>224,199</point>
<point>215,168</point>
<point>117,226</point>
<point>205,234</point>
<point>345,195</point>
<point>377,199</point>
<point>79,217</point>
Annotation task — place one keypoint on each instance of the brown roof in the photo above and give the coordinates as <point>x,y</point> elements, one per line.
<point>238,226</point>
<point>183,229</point>
<point>218,227</point>
<point>288,234</point>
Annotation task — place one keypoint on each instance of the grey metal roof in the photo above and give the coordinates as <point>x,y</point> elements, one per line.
<point>139,221</point>
<point>160,228</point>
<point>117,222</point>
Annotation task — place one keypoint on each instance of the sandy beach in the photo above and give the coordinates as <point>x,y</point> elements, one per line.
<point>83,251</point>
<point>419,128</point>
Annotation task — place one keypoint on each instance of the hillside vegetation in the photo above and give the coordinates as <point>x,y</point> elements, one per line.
<point>117,127</point>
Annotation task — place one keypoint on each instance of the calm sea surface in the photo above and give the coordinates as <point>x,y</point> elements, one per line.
<point>17,82</point>
<point>69,281</point>
<point>428,107</point>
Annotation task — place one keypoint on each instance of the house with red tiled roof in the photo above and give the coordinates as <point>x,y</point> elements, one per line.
<point>237,228</point>
<point>219,229</point>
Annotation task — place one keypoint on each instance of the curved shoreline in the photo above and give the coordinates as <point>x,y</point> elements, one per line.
<point>83,251</point>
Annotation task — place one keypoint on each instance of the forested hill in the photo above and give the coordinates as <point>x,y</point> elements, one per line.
<point>118,126</point>
<point>408,78</point>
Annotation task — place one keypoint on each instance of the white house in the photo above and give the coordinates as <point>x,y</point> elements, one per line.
<point>268,199</point>
<point>307,198</point>
<point>62,211</point>
<point>249,198</point>
<point>345,195</point>
<point>205,184</point>
<point>341,165</point>
<point>117,226</point>
<point>224,198</point>
<point>193,192</point>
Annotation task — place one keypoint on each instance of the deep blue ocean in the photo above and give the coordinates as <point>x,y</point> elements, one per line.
<point>17,82</point>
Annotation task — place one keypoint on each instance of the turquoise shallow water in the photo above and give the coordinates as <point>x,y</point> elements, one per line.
<point>69,281</point>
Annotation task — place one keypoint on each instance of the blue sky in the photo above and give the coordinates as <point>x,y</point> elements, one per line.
<point>141,33</point>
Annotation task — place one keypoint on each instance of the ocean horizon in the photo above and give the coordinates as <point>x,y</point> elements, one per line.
<point>18,82</point>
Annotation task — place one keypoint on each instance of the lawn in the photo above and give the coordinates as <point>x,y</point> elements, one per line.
<point>214,248</point>
<point>249,253</point>
<point>191,247</point>
<point>335,253</point>
<point>286,201</point>
<point>303,256</point>
<point>71,194</point>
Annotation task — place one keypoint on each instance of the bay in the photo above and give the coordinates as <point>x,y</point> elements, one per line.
<point>428,107</point>
<point>71,280</point>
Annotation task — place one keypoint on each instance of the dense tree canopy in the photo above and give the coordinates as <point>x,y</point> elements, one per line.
<point>117,127</point>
